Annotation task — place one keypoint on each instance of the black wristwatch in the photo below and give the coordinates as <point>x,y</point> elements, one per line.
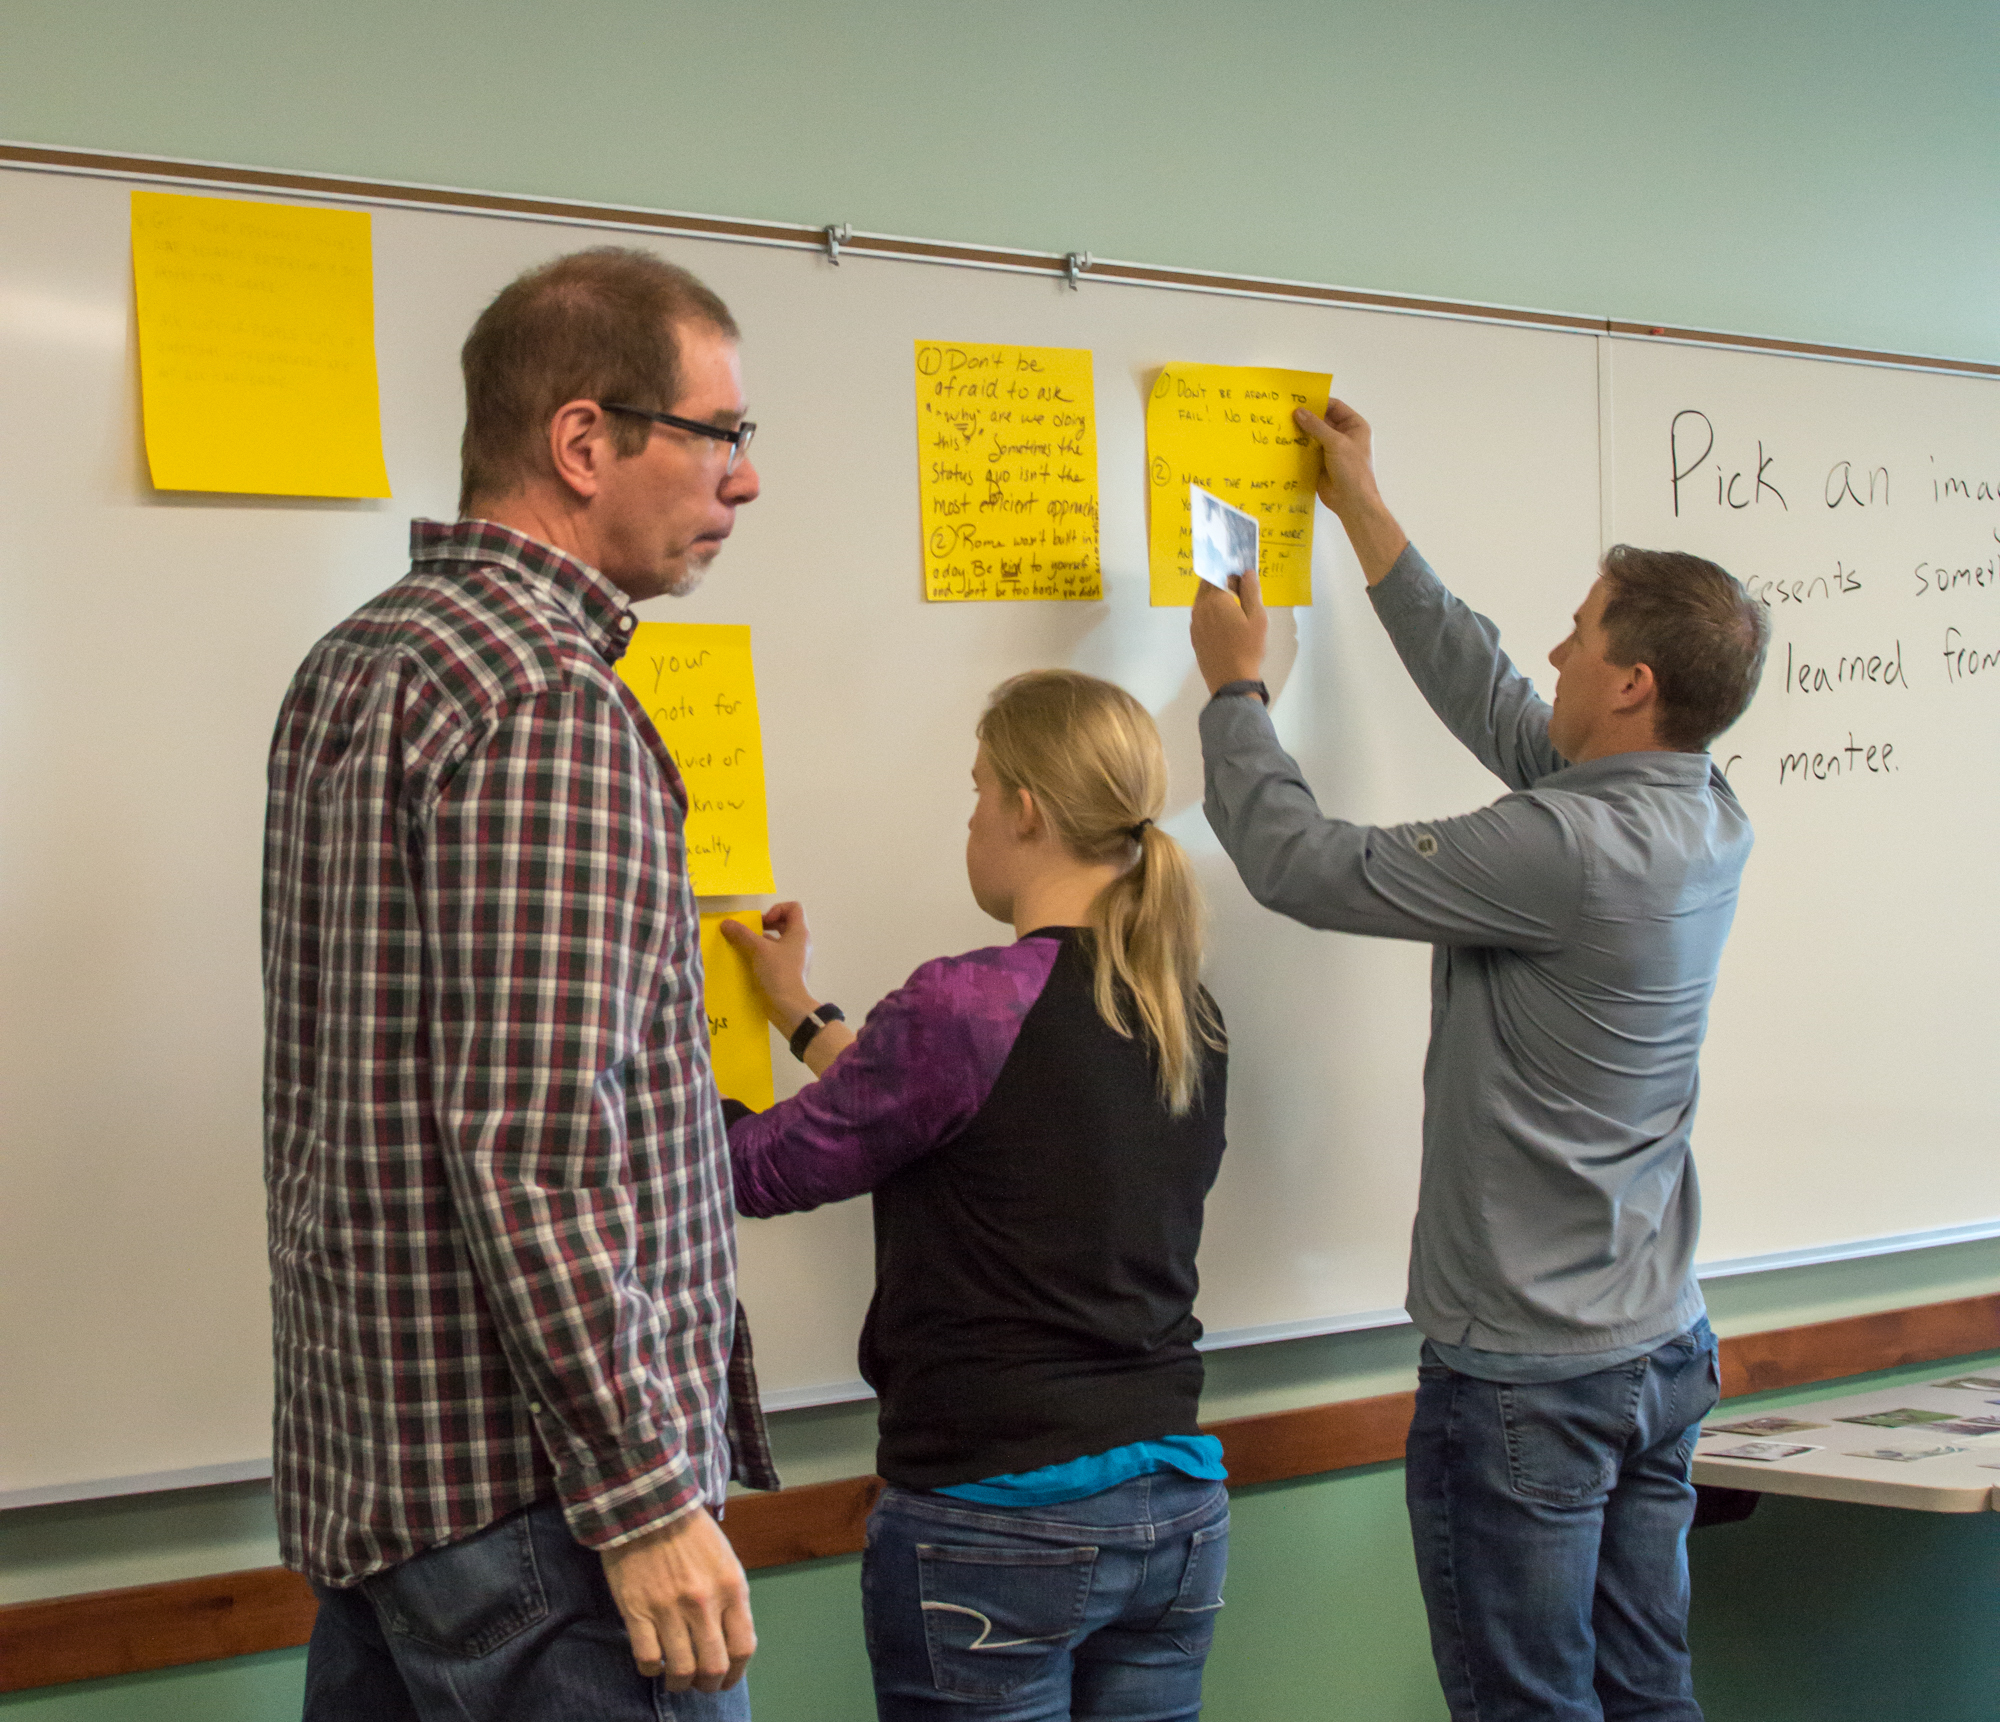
<point>810,1024</point>
<point>1243,687</point>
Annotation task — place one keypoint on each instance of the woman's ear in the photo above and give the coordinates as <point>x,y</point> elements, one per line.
<point>1028,822</point>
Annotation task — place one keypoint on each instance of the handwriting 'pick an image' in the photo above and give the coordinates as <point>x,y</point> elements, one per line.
<point>1228,429</point>
<point>695,681</point>
<point>1007,471</point>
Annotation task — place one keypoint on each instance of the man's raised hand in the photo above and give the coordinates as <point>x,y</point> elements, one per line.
<point>1347,485</point>
<point>1228,630</point>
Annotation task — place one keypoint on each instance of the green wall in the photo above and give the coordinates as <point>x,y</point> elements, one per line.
<point>1819,171</point>
<point>1814,168</point>
<point>1810,1612</point>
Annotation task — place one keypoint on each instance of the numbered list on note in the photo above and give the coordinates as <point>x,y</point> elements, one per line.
<point>1007,471</point>
<point>1229,429</point>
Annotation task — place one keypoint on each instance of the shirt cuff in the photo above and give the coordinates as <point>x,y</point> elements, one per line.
<point>1229,723</point>
<point>618,1509</point>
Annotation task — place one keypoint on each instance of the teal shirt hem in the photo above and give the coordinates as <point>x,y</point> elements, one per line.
<point>1198,1456</point>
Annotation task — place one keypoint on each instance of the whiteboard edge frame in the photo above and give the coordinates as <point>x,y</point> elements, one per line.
<point>1229,1339</point>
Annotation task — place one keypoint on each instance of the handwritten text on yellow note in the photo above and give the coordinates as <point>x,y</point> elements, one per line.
<point>739,1039</point>
<point>696,683</point>
<point>1228,428</point>
<point>1007,471</point>
<point>257,346</point>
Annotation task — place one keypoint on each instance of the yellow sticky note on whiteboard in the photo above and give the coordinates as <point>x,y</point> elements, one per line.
<point>257,346</point>
<point>697,685</point>
<point>739,1039</point>
<point>1229,429</point>
<point>1007,471</point>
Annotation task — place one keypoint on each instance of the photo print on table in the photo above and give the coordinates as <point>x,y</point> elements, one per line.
<point>1903,1417</point>
<point>1772,1425</point>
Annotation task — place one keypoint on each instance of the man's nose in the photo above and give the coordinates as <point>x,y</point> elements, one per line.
<point>742,484</point>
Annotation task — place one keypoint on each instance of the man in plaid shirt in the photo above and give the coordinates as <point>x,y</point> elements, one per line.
<point>511,1374</point>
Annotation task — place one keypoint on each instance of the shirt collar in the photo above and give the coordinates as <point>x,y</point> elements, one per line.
<point>599,608</point>
<point>1673,770</point>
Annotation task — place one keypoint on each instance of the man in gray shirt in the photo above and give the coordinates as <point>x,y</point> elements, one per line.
<point>1577,924</point>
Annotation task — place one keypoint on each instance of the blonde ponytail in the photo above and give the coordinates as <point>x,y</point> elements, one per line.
<point>1089,754</point>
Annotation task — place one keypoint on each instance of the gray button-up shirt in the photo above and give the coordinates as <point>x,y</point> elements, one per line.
<point>1577,925</point>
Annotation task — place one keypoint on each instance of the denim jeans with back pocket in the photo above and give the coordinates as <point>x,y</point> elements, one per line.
<point>1550,1521</point>
<point>1095,1609</point>
<point>513,1624</point>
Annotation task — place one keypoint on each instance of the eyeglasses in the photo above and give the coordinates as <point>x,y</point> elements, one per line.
<point>738,439</point>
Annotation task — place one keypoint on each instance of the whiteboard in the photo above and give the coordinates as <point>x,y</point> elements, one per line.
<point>1847,1080</point>
<point>145,642</point>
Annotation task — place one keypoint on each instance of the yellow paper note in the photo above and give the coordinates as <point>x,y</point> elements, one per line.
<point>257,346</point>
<point>696,683</point>
<point>1007,471</point>
<point>739,1038</point>
<point>1228,428</point>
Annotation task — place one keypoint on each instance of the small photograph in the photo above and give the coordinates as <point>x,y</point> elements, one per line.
<point>1966,1426</point>
<point>1763,1451</point>
<point>1972,1383</point>
<point>1225,538</point>
<point>1773,1425</point>
<point>1903,1455</point>
<point>1903,1417</point>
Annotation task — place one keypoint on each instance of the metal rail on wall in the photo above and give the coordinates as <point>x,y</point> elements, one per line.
<point>838,241</point>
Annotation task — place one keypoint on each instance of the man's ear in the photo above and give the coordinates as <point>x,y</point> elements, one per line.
<point>1636,689</point>
<point>580,447</point>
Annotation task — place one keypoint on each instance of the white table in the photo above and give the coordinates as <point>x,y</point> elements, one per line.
<point>1837,1467</point>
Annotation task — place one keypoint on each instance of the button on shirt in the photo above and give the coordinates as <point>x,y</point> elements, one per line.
<point>499,1203</point>
<point>1577,925</point>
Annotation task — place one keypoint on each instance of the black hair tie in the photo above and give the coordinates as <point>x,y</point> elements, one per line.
<point>1136,832</point>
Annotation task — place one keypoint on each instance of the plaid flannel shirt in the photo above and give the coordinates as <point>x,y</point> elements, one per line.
<point>501,1233</point>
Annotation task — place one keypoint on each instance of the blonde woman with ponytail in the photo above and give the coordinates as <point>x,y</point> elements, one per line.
<point>1040,1123</point>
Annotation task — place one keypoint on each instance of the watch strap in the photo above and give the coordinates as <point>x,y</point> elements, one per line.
<point>810,1024</point>
<point>1243,687</point>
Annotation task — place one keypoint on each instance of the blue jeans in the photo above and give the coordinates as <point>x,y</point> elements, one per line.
<point>514,1624</point>
<point>1551,1534</point>
<point>1094,1609</point>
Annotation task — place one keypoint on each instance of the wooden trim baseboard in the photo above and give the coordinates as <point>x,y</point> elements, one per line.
<point>809,1523</point>
<point>1859,1345</point>
<point>128,1631</point>
<point>110,1632</point>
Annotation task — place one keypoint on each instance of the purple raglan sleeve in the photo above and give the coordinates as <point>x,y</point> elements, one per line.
<point>921,1067</point>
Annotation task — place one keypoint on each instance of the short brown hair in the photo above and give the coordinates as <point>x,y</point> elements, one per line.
<point>598,325</point>
<point>1693,625</point>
